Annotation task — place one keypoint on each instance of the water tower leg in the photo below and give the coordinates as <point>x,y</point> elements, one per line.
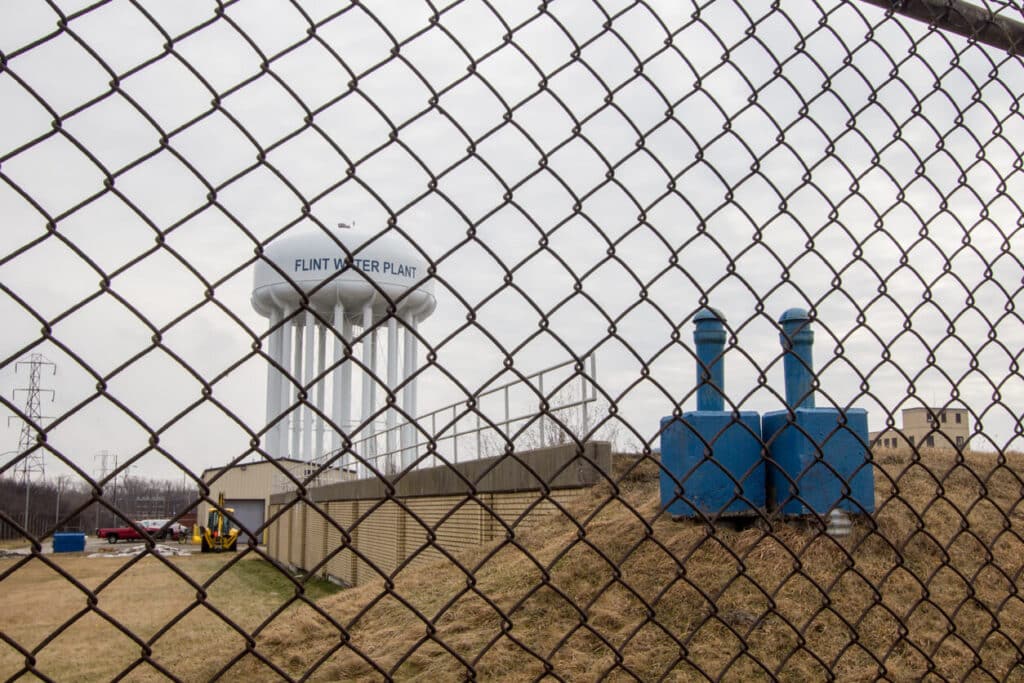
<point>392,383</point>
<point>336,379</point>
<point>408,432</point>
<point>374,374</point>
<point>297,377</point>
<point>271,441</point>
<point>345,419</point>
<point>321,388</point>
<point>415,382</point>
<point>367,343</point>
<point>284,398</point>
<point>307,420</point>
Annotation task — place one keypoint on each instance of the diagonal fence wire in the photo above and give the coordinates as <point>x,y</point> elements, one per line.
<point>579,179</point>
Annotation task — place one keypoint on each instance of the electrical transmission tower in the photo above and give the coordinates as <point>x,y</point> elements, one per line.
<point>29,461</point>
<point>105,458</point>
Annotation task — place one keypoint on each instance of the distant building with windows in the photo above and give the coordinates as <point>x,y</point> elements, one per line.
<point>927,428</point>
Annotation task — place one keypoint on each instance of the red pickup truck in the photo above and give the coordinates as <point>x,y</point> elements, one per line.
<point>127,533</point>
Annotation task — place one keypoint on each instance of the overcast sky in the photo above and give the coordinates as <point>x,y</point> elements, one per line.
<point>786,160</point>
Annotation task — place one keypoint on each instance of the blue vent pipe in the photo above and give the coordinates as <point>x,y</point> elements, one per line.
<point>709,336</point>
<point>797,340</point>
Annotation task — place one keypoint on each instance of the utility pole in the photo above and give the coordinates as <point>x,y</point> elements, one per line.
<point>105,457</point>
<point>61,481</point>
<point>29,461</point>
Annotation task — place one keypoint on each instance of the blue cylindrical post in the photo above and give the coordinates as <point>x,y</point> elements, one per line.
<point>709,337</point>
<point>797,340</point>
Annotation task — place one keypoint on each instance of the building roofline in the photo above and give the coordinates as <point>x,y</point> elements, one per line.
<point>246,464</point>
<point>934,409</point>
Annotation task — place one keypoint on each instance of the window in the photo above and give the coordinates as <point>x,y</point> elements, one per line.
<point>957,417</point>
<point>959,440</point>
<point>931,441</point>
<point>911,439</point>
<point>942,416</point>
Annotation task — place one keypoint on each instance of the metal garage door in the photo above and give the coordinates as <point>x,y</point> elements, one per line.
<point>250,513</point>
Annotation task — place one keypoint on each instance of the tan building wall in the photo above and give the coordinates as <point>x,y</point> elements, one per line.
<point>927,428</point>
<point>249,481</point>
<point>388,535</point>
<point>382,534</point>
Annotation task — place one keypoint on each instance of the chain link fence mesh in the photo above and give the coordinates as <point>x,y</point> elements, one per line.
<point>581,178</point>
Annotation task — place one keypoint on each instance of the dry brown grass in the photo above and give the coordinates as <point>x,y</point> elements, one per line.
<point>36,600</point>
<point>931,591</point>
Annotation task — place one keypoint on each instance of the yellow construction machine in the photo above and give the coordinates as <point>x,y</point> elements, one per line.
<point>219,534</point>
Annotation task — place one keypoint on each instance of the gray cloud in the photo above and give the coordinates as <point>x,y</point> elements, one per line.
<point>848,187</point>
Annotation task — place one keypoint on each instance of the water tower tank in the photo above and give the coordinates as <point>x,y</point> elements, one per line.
<point>313,264</point>
<point>331,289</point>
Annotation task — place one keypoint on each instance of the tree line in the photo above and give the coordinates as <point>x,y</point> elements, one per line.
<point>66,504</point>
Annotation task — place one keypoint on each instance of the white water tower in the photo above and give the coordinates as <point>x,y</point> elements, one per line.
<point>314,297</point>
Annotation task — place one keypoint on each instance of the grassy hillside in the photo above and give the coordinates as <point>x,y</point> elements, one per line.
<point>931,587</point>
<point>40,607</point>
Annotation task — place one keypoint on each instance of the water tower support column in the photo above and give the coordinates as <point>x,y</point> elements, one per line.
<point>285,386</point>
<point>307,381</point>
<point>346,388</point>
<point>271,441</point>
<point>409,432</point>
<point>374,374</point>
<point>413,402</point>
<point>393,459</point>
<point>321,388</point>
<point>294,411</point>
<point>367,342</point>
<point>339,402</point>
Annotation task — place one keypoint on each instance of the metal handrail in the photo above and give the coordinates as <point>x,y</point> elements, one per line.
<point>361,470</point>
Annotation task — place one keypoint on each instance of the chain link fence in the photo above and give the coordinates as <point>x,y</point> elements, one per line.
<point>582,180</point>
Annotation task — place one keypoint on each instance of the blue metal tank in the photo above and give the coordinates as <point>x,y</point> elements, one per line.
<point>712,462</point>
<point>820,459</point>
